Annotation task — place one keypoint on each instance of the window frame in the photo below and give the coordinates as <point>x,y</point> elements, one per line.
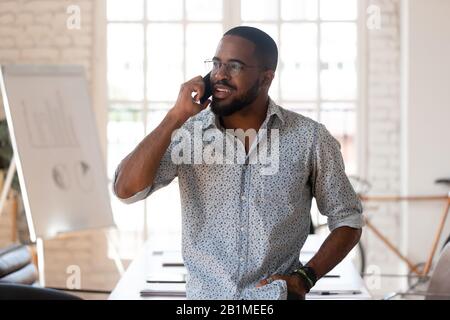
<point>232,17</point>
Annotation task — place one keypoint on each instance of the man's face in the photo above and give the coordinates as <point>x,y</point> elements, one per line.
<point>232,93</point>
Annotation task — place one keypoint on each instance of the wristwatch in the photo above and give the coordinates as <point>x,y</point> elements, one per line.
<point>308,276</point>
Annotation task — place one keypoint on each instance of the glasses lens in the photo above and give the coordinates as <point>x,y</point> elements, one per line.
<point>234,68</point>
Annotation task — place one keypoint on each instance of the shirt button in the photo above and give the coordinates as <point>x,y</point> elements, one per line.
<point>241,259</point>
<point>243,198</point>
<point>242,229</point>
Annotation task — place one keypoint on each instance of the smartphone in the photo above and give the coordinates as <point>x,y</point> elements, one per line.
<point>208,88</point>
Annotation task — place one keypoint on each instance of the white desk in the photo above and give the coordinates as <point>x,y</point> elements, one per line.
<point>133,281</point>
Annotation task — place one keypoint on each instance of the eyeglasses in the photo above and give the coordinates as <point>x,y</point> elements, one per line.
<point>233,68</point>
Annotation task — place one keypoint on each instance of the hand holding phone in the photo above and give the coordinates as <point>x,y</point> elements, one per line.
<point>188,102</point>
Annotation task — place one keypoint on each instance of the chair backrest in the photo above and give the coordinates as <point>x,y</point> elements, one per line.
<point>16,265</point>
<point>439,287</point>
<point>9,291</point>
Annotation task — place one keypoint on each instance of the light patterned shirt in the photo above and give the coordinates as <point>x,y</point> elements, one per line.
<point>240,226</point>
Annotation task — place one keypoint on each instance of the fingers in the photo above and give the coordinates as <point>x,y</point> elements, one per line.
<point>188,100</point>
<point>293,289</point>
<point>270,280</point>
<point>194,85</point>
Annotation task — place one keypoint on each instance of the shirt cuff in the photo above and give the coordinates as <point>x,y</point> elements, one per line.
<point>354,220</point>
<point>134,198</point>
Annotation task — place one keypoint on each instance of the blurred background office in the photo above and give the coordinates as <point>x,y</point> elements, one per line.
<point>375,72</point>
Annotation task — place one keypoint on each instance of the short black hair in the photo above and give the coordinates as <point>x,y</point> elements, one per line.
<point>265,47</point>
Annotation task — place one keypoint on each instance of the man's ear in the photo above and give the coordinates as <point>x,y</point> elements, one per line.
<point>267,78</point>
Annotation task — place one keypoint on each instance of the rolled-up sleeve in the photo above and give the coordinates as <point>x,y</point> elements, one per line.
<point>167,171</point>
<point>332,189</point>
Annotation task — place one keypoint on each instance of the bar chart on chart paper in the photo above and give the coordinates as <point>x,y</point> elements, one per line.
<point>48,123</point>
<point>57,149</point>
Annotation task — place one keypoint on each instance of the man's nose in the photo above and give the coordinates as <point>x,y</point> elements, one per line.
<point>221,73</point>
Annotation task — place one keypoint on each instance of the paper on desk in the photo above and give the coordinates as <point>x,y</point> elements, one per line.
<point>164,289</point>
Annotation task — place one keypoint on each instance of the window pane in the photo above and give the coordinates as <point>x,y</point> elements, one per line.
<point>164,211</point>
<point>338,61</point>
<point>312,114</point>
<point>129,10</point>
<point>306,109</point>
<point>164,10</point>
<point>340,120</point>
<point>204,10</point>
<point>298,61</point>
<point>165,61</point>
<point>338,10</point>
<point>116,153</point>
<point>128,217</point>
<point>155,116</point>
<point>253,10</point>
<point>201,43</point>
<point>270,28</point>
<point>125,131</point>
<point>299,9</point>
<point>125,76</point>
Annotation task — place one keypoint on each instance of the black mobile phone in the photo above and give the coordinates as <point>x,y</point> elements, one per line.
<point>208,88</point>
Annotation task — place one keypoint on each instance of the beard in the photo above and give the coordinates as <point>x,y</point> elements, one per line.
<point>236,104</point>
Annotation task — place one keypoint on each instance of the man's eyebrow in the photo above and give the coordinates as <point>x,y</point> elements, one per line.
<point>232,60</point>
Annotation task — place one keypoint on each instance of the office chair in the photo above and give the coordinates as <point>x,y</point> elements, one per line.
<point>18,274</point>
<point>439,286</point>
<point>10,291</point>
<point>16,265</point>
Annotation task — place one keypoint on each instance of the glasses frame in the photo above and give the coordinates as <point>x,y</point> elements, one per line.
<point>227,68</point>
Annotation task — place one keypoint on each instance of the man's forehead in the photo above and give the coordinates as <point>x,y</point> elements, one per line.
<point>235,47</point>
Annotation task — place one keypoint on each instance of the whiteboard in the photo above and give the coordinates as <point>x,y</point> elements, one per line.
<point>57,150</point>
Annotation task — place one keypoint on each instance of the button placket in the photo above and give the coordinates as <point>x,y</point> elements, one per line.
<point>244,217</point>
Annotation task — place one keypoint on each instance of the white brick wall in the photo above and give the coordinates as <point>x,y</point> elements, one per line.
<point>35,31</point>
<point>383,125</point>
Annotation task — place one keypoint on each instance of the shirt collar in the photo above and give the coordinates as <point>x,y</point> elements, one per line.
<point>273,109</point>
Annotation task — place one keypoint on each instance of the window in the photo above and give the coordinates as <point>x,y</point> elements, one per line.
<point>154,46</point>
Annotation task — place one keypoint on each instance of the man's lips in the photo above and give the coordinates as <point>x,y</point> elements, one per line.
<point>221,91</point>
